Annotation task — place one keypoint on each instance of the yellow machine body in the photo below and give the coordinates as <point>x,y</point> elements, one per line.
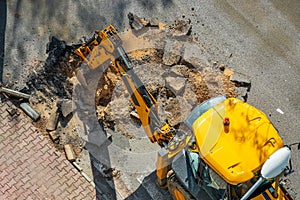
<point>239,153</point>
<point>233,138</point>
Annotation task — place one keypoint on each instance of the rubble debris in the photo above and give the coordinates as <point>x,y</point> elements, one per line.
<point>115,112</point>
<point>176,84</point>
<point>180,70</point>
<point>177,110</point>
<point>70,154</point>
<point>222,67</point>
<point>181,27</point>
<point>136,22</point>
<point>172,52</point>
<point>52,121</point>
<point>199,86</point>
<point>190,95</point>
<point>56,49</point>
<point>194,57</point>
<point>66,107</point>
<point>14,93</point>
<point>241,80</point>
<point>115,173</point>
<point>54,135</point>
<point>12,111</point>
<point>30,111</point>
<point>228,73</point>
<point>154,22</point>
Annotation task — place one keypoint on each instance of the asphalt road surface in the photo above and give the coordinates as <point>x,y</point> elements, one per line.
<point>259,38</point>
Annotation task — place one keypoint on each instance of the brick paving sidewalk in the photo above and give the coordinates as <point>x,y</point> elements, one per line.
<point>30,168</point>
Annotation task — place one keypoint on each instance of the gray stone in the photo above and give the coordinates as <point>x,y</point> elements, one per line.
<point>135,22</point>
<point>177,110</point>
<point>180,70</point>
<point>66,107</point>
<point>117,109</point>
<point>172,52</point>
<point>190,95</point>
<point>181,27</point>
<point>176,84</point>
<point>154,22</point>
<point>193,56</point>
<point>241,80</point>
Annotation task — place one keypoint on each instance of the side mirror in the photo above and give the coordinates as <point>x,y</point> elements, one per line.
<point>273,166</point>
<point>276,163</point>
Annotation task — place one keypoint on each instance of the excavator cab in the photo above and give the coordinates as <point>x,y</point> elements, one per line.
<point>225,160</point>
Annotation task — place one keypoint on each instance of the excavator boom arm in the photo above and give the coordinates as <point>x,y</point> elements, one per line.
<point>106,46</point>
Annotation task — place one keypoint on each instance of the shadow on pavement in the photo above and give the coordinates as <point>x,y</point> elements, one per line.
<point>3,13</point>
<point>149,190</point>
<point>51,80</point>
<point>91,131</point>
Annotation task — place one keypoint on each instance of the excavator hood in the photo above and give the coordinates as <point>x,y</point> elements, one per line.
<point>233,137</point>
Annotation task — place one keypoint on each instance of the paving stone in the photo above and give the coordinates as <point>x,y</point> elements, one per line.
<point>31,168</point>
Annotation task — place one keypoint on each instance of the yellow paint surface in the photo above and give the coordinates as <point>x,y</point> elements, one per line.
<point>240,152</point>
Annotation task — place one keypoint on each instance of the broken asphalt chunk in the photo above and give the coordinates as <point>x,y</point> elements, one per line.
<point>241,80</point>
<point>193,57</point>
<point>56,49</point>
<point>172,52</point>
<point>181,27</point>
<point>154,22</point>
<point>176,84</point>
<point>135,22</point>
<point>66,107</point>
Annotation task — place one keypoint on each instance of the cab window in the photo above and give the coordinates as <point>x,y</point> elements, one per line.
<point>207,179</point>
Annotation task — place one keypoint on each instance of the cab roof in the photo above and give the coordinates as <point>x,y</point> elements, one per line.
<point>238,152</point>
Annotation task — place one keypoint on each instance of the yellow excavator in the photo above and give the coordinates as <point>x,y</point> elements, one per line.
<point>227,149</point>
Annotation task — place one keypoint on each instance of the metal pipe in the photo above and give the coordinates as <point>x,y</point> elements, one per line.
<point>253,188</point>
<point>29,111</point>
<point>14,93</point>
<point>275,193</point>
